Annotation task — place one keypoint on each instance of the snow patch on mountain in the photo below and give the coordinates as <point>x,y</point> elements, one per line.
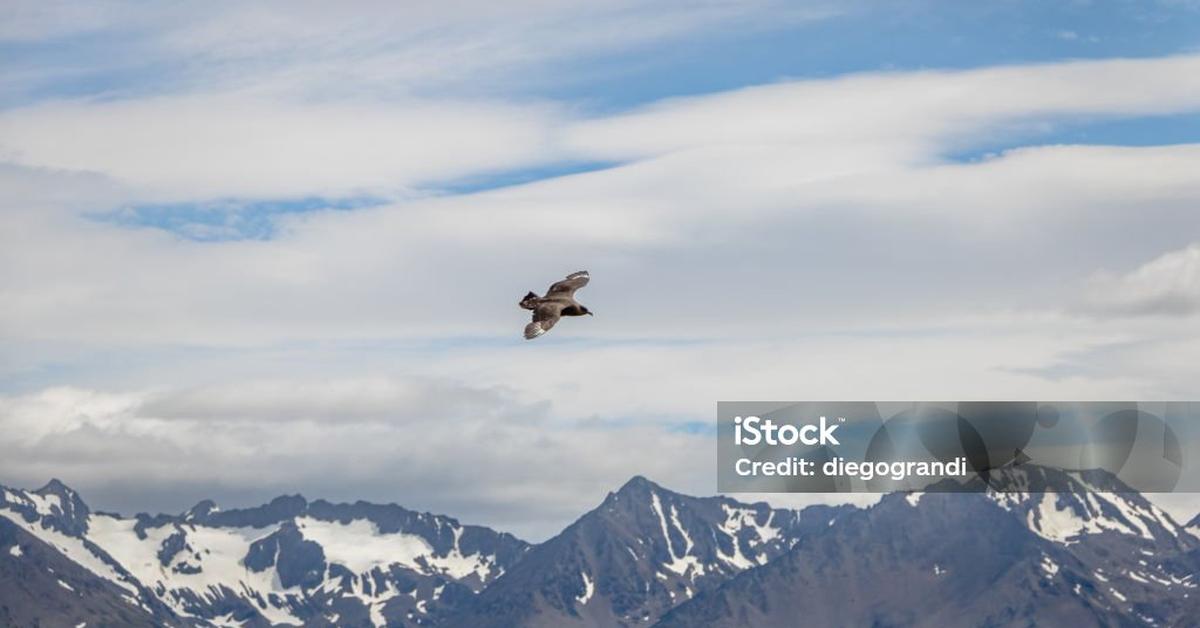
<point>73,548</point>
<point>212,560</point>
<point>589,588</point>
<point>1076,507</point>
<point>747,518</point>
<point>681,563</point>
<point>226,621</point>
<point>360,547</point>
<point>1049,566</point>
<point>375,606</point>
<point>44,505</point>
<point>1057,525</point>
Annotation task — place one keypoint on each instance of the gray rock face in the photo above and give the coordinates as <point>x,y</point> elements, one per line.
<point>297,561</point>
<point>641,552</point>
<point>54,505</point>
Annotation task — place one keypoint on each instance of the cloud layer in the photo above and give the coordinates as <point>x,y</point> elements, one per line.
<point>878,235</point>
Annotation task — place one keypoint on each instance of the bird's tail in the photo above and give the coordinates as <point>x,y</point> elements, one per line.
<point>529,301</point>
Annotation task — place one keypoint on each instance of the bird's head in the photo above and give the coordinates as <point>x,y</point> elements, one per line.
<point>588,312</point>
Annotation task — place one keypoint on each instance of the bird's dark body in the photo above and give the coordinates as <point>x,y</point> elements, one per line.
<point>558,302</point>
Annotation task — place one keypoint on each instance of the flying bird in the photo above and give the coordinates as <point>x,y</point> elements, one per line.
<point>558,302</point>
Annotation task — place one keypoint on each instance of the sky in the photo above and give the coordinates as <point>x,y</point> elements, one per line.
<point>276,248</point>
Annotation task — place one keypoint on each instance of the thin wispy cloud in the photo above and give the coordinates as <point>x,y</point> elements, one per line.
<point>367,48</point>
<point>1166,286</point>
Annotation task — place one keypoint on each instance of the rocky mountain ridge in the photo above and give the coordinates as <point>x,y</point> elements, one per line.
<point>1093,553</point>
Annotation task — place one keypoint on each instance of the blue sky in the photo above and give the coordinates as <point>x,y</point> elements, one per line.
<point>901,36</point>
<point>249,238</point>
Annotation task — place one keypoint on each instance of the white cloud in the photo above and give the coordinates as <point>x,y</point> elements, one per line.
<point>705,235</point>
<point>31,419</point>
<point>362,47</point>
<point>449,41</point>
<point>40,19</point>
<point>1168,285</point>
<point>678,249</point>
<point>538,436</point>
<point>380,447</point>
<point>243,144</point>
<point>910,116</point>
<point>182,148</point>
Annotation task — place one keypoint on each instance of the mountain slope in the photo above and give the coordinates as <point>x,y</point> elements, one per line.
<point>1020,558</point>
<point>1138,554</point>
<point>956,560</point>
<point>287,562</point>
<point>41,586</point>
<point>641,552</point>
<point>48,528</point>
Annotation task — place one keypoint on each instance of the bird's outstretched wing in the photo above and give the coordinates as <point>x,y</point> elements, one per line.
<point>568,286</point>
<point>544,317</point>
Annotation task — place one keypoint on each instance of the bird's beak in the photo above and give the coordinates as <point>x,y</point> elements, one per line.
<point>591,314</point>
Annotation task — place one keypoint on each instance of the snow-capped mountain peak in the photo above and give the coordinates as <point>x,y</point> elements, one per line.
<point>286,562</point>
<point>643,550</point>
<point>1063,506</point>
<point>54,505</point>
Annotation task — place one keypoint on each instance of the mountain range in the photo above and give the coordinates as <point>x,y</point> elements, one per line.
<point>1094,553</point>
